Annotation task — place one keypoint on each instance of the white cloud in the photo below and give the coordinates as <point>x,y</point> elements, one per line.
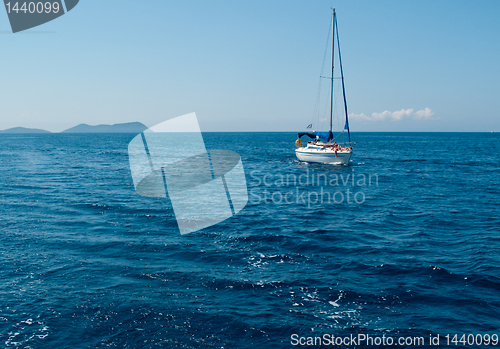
<point>361,116</point>
<point>424,114</point>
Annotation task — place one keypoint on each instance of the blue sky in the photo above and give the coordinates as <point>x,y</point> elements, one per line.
<point>254,66</point>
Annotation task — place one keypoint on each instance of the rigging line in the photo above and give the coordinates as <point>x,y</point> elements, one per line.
<point>332,75</point>
<point>337,136</point>
<point>343,87</point>
<point>326,47</point>
<point>317,108</point>
<point>325,113</point>
<point>336,108</point>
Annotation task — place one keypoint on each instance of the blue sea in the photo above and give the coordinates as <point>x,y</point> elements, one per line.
<point>403,243</point>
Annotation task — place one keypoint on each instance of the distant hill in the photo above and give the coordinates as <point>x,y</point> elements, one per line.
<point>24,130</point>
<point>129,127</point>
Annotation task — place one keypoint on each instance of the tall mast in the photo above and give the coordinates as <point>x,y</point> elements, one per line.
<point>333,48</point>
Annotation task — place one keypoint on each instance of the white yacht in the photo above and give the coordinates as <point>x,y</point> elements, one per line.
<point>323,148</point>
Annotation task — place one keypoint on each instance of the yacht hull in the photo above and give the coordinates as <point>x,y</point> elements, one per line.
<point>323,156</point>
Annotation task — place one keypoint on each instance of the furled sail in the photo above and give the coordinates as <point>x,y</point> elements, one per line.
<point>324,136</point>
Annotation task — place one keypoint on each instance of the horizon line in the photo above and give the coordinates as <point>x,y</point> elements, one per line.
<point>51,132</point>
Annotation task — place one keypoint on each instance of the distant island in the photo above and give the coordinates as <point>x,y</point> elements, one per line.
<point>24,130</point>
<point>129,127</point>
